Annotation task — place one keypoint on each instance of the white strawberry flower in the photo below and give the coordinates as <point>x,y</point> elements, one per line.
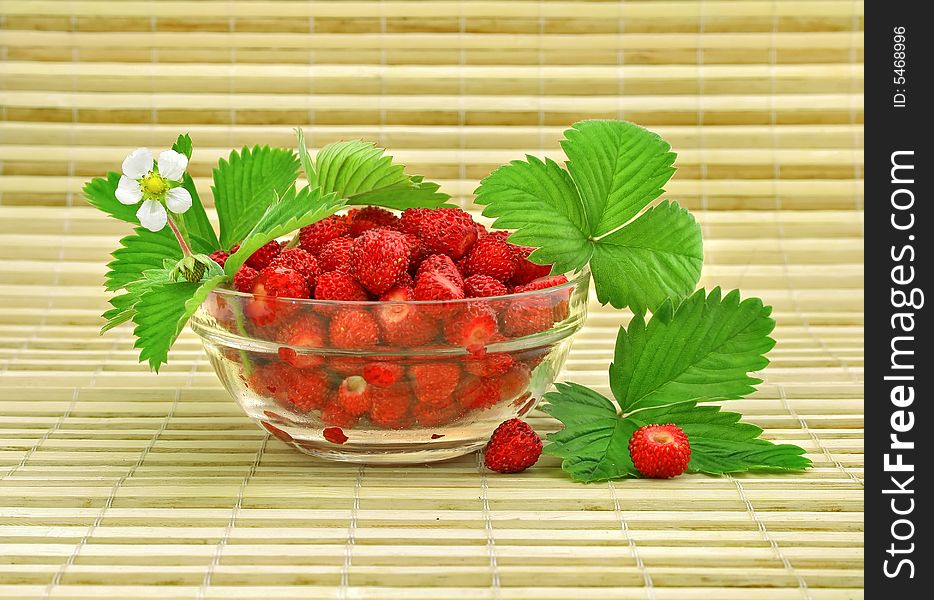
<point>158,185</point>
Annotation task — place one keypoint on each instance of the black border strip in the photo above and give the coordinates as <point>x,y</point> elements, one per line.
<point>897,268</point>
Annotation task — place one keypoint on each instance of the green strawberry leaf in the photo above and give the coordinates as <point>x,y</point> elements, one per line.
<point>361,173</point>
<point>594,444</point>
<point>183,145</point>
<point>539,199</point>
<point>124,305</point>
<point>618,167</point>
<point>701,351</point>
<point>162,311</point>
<point>589,213</point>
<point>194,222</point>
<point>100,193</point>
<point>292,211</point>
<point>720,443</point>
<point>414,193</point>
<point>138,252</point>
<point>246,184</point>
<point>656,257</point>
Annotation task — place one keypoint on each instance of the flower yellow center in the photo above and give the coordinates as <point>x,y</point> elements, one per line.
<point>154,184</point>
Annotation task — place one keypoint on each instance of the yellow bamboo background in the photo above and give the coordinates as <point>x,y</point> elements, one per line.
<point>115,483</point>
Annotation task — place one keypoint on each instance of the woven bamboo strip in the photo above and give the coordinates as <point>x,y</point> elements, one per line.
<point>595,10</point>
<point>397,137</point>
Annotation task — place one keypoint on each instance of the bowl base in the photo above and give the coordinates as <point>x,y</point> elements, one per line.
<point>387,454</point>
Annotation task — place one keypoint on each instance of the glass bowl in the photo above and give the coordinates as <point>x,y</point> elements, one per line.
<point>389,382</point>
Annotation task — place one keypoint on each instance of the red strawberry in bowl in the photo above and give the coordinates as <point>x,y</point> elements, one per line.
<point>378,258</point>
<point>272,289</point>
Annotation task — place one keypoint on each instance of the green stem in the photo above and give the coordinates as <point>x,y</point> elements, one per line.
<point>186,249</point>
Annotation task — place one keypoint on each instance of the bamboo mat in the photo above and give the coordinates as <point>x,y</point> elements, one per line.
<point>116,483</point>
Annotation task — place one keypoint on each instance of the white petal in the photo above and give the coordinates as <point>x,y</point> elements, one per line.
<point>138,163</point>
<point>172,165</point>
<point>152,215</point>
<point>128,191</point>
<point>178,200</point>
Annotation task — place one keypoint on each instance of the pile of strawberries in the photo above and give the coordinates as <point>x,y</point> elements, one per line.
<point>380,260</point>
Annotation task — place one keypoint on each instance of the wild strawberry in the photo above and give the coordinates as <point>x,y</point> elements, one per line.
<point>338,285</point>
<point>448,231</point>
<point>364,219</point>
<point>434,382</point>
<point>335,416</point>
<point>398,293</point>
<point>534,357</point>
<point>472,327</point>
<point>405,281</point>
<point>433,415</point>
<point>514,382</point>
<point>434,286</point>
<point>353,395</point>
<point>443,265</point>
<point>219,256</point>
<point>477,393</point>
<point>541,284</point>
<point>316,235</point>
<point>383,374</point>
<point>514,447</point>
<point>353,328</point>
<point>438,279</point>
<point>308,390</point>
<point>500,234</point>
<point>271,284</point>
<point>378,258</point>
<point>245,278</point>
<point>491,257</point>
<point>660,451</point>
<point>405,325</point>
<point>260,259</point>
<point>526,316</point>
<point>526,270</point>
<point>483,286</point>
<point>335,255</point>
<point>495,363</point>
<point>273,379</point>
<point>301,261</point>
<point>417,249</point>
<point>307,331</point>
<point>411,219</point>
<point>280,282</point>
<point>390,407</point>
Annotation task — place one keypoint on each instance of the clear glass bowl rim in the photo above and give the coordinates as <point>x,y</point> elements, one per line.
<point>573,281</point>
